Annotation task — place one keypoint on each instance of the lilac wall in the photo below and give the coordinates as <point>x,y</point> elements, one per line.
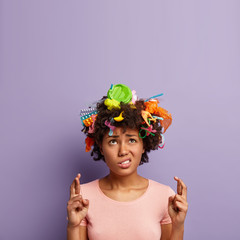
<point>57,56</point>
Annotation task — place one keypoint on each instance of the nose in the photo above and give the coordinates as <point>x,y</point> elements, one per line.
<point>123,150</point>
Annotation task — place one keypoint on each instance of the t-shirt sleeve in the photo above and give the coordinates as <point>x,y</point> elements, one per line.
<point>166,218</point>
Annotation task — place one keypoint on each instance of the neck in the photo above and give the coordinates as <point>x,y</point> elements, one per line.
<point>117,182</point>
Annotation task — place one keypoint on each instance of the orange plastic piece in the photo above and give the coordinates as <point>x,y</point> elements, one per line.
<point>146,115</point>
<point>89,142</point>
<point>88,122</point>
<point>153,108</point>
<point>167,118</point>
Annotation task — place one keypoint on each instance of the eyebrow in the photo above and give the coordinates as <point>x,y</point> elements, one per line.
<point>131,135</point>
<point>113,136</point>
<point>117,136</point>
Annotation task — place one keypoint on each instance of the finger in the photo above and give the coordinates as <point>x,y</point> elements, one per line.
<point>179,186</point>
<point>75,202</point>
<point>180,198</point>
<point>182,207</point>
<point>75,206</point>
<point>171,200</point>
<point>85,203</point>
<point>73,186</point>
<point>77,184</point>
<point>183,188</point>
<point>76,198</point>
<point>72,189</point>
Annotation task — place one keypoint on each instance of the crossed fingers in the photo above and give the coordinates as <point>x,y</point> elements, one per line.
<point>181,188</point>
<point>75,187</point>
<point>180,199</point>
<point>76,202</point>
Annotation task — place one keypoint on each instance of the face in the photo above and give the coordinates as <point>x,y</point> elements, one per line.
<point>122,151</point>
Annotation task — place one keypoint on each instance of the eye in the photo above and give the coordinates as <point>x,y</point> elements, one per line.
<point>113,142</point>
<point>132,140</point>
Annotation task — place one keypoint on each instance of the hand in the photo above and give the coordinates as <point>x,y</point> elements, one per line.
<point>77,207</point>
<point>177,205</point>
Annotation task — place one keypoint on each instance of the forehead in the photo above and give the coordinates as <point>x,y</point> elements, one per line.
<point>118,131</point>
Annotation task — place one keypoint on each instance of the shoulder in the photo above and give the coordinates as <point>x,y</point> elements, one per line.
<point>89,187</point>
<point>159,188</point>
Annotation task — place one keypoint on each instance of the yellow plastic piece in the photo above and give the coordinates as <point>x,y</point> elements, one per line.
<point>111,103</point>
<point>119,118</point>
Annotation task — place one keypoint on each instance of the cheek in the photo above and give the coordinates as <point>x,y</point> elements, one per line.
<point>139,151</point>
<point>141,148</point>
<point>107,153</point>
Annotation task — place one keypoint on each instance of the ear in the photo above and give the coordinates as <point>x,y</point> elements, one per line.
<point>143,151</point>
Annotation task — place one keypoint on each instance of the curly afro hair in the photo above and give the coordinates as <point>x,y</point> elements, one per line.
<point>132,119</point>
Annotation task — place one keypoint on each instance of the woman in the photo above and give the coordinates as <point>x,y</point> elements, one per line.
<point>123,204</point>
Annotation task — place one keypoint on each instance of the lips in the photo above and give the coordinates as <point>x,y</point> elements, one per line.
<point>125,164</point>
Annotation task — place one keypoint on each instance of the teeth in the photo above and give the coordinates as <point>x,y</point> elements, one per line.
<point>125,162</point>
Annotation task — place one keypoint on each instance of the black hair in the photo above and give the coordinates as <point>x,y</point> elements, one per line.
<point>132,119</point>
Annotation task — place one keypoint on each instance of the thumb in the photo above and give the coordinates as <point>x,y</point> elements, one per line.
<point>170,199</point>
<point>86,203</point>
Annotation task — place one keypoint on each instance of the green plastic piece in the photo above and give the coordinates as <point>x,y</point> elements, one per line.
<point>120,92</point>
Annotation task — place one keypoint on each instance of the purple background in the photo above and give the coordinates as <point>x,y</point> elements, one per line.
<point>58,56</point>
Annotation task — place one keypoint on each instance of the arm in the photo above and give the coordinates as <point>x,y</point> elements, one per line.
<point>166,230</point>
<point>77,210</point>
<point>177,209</point>
<point>83,233</point>
<point>77,233</point>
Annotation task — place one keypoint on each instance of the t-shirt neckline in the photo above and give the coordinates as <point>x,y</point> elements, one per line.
<point>120,202</point>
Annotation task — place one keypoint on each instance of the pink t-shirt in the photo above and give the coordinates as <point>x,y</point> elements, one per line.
<point>140,219</point>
